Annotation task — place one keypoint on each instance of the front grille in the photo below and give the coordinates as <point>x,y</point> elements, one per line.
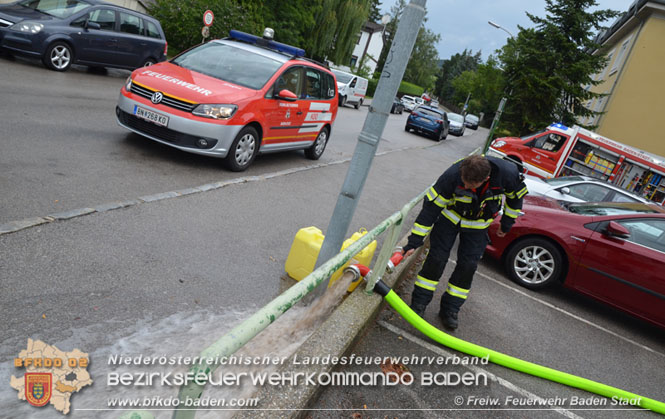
<point>175,137</point>
<point>167,100</point>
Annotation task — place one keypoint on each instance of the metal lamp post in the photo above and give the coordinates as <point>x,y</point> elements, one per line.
<point>502,104</point>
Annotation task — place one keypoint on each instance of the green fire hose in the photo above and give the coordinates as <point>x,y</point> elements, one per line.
<point>511,362</point>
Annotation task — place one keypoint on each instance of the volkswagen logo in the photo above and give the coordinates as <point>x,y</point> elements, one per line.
<point>156,97</point>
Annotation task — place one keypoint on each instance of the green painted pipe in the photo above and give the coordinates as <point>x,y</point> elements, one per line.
<point>508,361</point>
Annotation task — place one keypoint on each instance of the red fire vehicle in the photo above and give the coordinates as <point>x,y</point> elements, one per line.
<point>562,151</point>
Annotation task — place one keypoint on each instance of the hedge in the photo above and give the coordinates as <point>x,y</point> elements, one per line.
<point>405,88</point>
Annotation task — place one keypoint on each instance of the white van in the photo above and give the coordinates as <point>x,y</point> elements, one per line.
<point>351,88</point>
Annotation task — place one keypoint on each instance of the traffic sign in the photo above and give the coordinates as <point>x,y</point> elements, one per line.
<point>208,17</point>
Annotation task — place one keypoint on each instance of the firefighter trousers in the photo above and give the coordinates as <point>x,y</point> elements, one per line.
<point>471,248</point>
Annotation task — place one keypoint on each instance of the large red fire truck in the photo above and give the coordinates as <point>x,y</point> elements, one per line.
<point>562,151</point>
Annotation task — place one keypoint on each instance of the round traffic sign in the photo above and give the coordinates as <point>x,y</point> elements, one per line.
<point>208,17</point>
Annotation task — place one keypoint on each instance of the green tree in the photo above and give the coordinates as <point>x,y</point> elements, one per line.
<point>375,11</point>
<point>422,66</point>
<point>549,67</point>
<point>486,86</point>
<point>451,69</point>
<point>338,23</point>
<point>182,21</point>
<point>292,20</point>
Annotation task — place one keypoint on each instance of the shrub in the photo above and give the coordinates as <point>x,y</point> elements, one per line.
<point>182,20</point>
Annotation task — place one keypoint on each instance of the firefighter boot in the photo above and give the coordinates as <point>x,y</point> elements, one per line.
<point>450,306</point>
<point>420,298</point>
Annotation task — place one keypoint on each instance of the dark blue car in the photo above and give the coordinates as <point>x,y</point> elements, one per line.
<point>430,121</point>
<point>88,32</point>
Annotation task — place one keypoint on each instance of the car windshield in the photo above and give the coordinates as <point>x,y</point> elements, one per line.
<point>226,62</point>
<point>557,181</point>
<point>56,8</point>
<point>609,209</point>
<point>526,137</point>
<point>342,77</point>
<point>472,118</point>
<point>455,117</point>
<point>429,112</point>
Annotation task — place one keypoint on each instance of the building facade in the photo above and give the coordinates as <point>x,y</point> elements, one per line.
<point>633,79</point>
<point>369,46</point>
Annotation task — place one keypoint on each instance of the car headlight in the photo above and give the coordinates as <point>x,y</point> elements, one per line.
<point>215,111</point>
<point>128,84</point>
<point>29,27</point>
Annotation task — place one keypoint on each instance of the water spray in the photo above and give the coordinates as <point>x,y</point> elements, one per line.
<point>495,357</point>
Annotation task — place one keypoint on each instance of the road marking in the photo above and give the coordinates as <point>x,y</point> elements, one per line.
<point>505,383</point>
<point>18,225</point>
<point>567,313</point>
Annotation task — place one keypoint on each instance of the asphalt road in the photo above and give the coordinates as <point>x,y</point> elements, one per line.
<point>175,274</point>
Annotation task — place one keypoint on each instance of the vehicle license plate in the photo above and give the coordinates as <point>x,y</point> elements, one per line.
<point>151,116</point>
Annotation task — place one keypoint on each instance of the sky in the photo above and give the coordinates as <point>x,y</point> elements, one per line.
<point>463,23</point>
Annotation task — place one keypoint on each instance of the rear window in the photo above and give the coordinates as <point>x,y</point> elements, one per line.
<point>430,112</point>
<point>226,62</point>
<point>151,30</point>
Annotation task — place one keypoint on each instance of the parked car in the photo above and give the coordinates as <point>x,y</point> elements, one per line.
<point>429,121</point>
<point>351,88</point>
<point>612,252</point>
<point>89,32</point>
<point>397,107</point>
<point>409,103</point>
<point>456,124</point>
<point>233,98</point>
<point>579,189</point>
<point>434,103</point>
<point>471,121</point>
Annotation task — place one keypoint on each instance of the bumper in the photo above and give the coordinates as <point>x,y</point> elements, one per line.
<point>23,43</point>
<point>455,130</point>
<point>181,133</point>
<point>425,128</point>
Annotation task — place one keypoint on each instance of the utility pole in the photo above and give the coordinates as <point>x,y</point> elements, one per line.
<point>368,140</point>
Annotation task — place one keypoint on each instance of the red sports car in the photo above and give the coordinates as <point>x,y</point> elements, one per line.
<point>613,252</point>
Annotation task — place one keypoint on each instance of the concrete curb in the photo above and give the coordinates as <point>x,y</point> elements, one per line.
<point>334,338</point>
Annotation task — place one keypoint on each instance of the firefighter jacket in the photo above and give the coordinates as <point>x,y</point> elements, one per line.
<point>471,209</point>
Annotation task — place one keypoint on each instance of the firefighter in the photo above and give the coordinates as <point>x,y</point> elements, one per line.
<point>464,200</point>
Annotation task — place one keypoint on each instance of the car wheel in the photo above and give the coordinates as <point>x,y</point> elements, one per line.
<point>316,150</point>
<point>534,263</point>
<point>342,100</point>
<point>406,128</point>
<point>439,137</point>
<point>148,62</point>
<point>357,105</point>
<point>58,56</point>
<point>243,150</point>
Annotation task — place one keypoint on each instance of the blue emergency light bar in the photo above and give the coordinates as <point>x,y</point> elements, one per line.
<point>560,126</point>
<point>277,46</point>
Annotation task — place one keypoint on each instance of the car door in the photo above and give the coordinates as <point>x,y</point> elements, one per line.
<point>544,151</point>
<point>627,272</point>
<point>96,45</point>
<point>132,45</point>
<point>284,119</point>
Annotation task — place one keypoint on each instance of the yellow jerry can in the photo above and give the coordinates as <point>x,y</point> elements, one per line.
<point>306,247</point>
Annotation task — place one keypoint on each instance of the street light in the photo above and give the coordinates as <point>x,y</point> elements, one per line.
<point>500,27</point>
<point>502,104</point>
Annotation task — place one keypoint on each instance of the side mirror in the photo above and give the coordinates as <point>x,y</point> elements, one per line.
<point>565,190</point>
<point>92,25</point>
<point>615,229</point>
<point>287,95</point>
